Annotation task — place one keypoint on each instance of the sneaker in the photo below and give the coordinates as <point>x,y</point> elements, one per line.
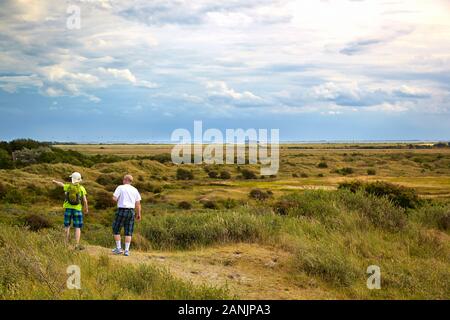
<point>117,251</point>
<point>126,253</point>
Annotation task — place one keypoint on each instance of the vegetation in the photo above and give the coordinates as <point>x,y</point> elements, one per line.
<point>316,235</point>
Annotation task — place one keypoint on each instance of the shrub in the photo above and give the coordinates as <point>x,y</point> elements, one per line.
<point>225,175</point>
<point>184,174</point>
<point>209,204</point>
<point>401,196</point>
<point>37,222</point>
<point>433,216</point>
<point>148,187</point>
<point>213,174</point>
<point>248,174</point>
<point>303,175</point>
<point>345,171</point>
<point>185,205</point>
<point>103,200</point>
<point>2,190</point>
<point>5,160</point>
<point>229,203</point>
<point>380,211</point>
<point>259,194</point>
<point>371,172</point>
<point>322,165</point>
<point>444,222</point>
<point>282,207</point>
<point>352,186</point>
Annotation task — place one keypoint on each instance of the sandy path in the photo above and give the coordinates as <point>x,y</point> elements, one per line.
<point>250,271</point>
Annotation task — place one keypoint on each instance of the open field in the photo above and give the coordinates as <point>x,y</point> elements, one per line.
<point>206,234</point>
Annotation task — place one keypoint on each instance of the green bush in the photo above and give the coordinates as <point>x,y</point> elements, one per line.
<point>225,175</point>
<point>399,195</point>
<point>433,216</point>
<point>371,172</point>
<point>210,204</point>
<point>248,174</point>
<point>3,189</point>
<point>213,174</point>
<point>185,205</point>
<point>322,165</point>
<point>148,187</point>
<point>259,194</point>
<point>5,160</point>
<point>345,171</point>
<point>37,222</point>
<point>184,174</point>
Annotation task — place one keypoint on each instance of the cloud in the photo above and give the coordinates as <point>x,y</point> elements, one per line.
<point>353,95</point>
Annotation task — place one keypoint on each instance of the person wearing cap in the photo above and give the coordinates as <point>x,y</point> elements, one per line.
<point>75,201</point>
<point>128,201</point>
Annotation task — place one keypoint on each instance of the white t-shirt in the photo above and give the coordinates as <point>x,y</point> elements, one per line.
<point>127,196</point>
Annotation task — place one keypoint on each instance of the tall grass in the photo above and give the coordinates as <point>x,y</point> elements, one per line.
<point>33,266</point>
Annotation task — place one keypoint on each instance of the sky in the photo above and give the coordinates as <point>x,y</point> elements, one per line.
<point>134,71</point>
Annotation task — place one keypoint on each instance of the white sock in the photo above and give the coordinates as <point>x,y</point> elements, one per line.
<point>127,246</point>
<point>118,244</point>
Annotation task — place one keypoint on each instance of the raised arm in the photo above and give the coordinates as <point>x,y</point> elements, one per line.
<point>59,183</point>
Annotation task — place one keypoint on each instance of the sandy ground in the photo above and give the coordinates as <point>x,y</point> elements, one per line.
<point>250,271</point>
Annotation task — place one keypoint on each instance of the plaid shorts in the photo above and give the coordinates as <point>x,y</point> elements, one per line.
<point>124,218</point>
<point>75,215</point>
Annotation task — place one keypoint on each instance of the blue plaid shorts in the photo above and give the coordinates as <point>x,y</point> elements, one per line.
<point>124,218</point>
<point>73,215</point>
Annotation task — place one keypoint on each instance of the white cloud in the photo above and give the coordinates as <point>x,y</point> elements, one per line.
<point>220,88</point>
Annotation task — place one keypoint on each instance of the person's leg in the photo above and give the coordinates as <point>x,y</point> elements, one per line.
<point>117,225</point>
<point>118,241</point>
<point>129,227</point>
<point>67,230</point>
<point>67,221</point>
<point>127,243</point>
<point>77,235</point>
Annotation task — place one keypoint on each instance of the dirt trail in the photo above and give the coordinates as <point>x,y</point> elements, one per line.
<point>250,271</point>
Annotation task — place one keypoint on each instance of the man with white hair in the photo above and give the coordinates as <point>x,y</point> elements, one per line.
<point>128,201</point>
<point>75,200</point>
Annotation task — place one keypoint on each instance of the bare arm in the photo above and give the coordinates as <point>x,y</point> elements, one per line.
<point>59,183</point>
<point>115,198</point>
<point>85,205</point>
<point>138,211</point>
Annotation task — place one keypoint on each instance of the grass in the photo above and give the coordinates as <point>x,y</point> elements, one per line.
<point>34,267</point>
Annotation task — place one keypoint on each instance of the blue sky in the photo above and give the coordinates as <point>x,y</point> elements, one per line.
<point>137,70</point>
